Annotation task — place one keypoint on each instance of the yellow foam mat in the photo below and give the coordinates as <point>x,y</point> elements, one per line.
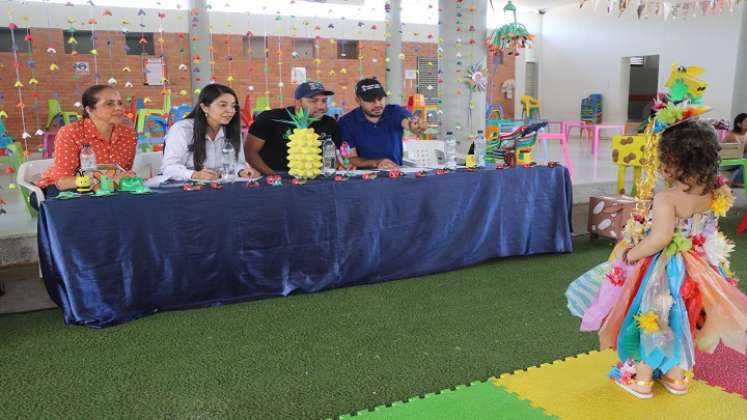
<point>578,388</point>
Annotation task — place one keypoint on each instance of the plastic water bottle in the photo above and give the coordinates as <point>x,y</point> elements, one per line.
<point>480,148</point>
<point>228,161</point>
<point>329,157</point>
<point>450,150</point>
<point>87,159</point>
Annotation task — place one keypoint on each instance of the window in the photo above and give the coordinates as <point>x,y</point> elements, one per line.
<point>255,46</point>
<point>637,61</point>
<point>304,47</point>
<point>428,79</point>
<point>134,45</point>
<point>84,40</point>
<point>347,49</point>
<point>6,43</point>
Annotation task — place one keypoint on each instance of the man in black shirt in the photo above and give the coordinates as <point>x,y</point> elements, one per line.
<point>266,144</point>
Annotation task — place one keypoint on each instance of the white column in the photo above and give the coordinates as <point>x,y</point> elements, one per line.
<point>739,100</point>
<point>393,37</point>
<point>199,26</point>
<point>457,54</point>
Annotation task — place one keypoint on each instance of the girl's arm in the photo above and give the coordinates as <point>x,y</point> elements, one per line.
<point>662,229</point>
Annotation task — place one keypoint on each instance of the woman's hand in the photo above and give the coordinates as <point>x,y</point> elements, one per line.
<point>206,174</point>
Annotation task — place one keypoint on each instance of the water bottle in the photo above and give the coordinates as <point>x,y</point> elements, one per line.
<point>329,157</point>
<point>480,148</point>
<point>87,159</point>
<point>450,150</point>
<point>228,161</point>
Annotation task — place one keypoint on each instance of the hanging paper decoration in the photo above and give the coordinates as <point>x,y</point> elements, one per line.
<point>92,22</point>
<point>126,48</point>
<point>511,36</point>
<point>229,58</point>
<point>281,97</point>
<point>112,80</point>
<point>667,9</point>
<point>33,82</point>
<point>162,51</point>
<point>18,84</point>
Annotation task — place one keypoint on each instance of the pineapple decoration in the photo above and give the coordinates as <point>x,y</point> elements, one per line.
<point>304,147</point>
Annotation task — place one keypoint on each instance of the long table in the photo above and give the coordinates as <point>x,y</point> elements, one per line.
<point>110,260</point>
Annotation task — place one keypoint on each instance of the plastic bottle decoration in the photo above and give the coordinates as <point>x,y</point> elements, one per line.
<point>82,183</point>
<point>511,36</point>
<point>304,147</point>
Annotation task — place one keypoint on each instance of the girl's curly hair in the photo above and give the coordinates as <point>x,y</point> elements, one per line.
<point>690,151</point>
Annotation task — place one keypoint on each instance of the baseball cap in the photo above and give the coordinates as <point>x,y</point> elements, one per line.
<point>311,89</point>
<point>369,89</point>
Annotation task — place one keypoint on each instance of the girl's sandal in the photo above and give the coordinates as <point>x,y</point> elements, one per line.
<point>674,386</point>
<point>627,385</point>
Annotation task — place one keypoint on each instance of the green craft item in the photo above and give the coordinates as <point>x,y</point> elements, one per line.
<point>106,186</point>
<point>133,185</point>
<point>678,91</point>
<point>66,195</point>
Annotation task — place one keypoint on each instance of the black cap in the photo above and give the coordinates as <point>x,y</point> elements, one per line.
<point>369,90</point>
<point>311,89</point>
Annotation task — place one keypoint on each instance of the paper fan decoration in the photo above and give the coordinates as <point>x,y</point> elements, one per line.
<point>511,36</point>
<point>476,79</point>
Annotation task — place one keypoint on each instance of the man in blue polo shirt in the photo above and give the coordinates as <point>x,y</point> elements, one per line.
<point>374,129</point>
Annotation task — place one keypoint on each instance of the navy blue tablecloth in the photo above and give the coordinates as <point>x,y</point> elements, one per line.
<point>110,260</point>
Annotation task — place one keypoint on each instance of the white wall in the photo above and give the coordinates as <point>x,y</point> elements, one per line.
<point>582,51</point>
<point>739,104</point>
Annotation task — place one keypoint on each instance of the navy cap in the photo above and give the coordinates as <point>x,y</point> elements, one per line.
<point>369,89</point>
<point>311,89</point>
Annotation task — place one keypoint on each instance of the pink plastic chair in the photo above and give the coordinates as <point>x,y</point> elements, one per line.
<point>48,142</point>
<point>563,137</point>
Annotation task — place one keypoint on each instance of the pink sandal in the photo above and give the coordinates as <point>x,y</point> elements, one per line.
<point>627,385</point>
<point>674,386</point>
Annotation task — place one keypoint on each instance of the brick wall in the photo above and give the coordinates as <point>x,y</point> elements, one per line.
<point>339,75</point>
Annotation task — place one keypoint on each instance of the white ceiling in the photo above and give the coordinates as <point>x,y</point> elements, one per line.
<point>534,4</point>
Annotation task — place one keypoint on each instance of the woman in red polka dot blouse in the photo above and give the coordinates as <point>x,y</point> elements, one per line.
<point>101,128</point>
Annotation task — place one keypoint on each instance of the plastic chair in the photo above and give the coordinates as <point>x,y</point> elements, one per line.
<point>48,144</point>
<point>563,137</point>
<point>54,111</point>
<point>27,174</point>
<point>531,108</point>
<point>148,164</point>
<point>179,112</point>
<point>262,104</point>
<point>424,153</point>
<point>332,110</point>
<point>144,113</point>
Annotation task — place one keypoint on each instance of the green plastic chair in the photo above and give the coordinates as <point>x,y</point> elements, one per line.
<point>143,113</point>
<point>54,109</point>
<point>15,159</point>
<point>262,104</point>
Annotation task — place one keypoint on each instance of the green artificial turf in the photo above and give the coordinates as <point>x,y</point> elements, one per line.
<point>305,356</point>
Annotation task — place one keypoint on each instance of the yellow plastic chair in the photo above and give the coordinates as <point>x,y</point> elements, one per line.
<point>54,109</point>
<point>144,113</point>
<point>531,108</point>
